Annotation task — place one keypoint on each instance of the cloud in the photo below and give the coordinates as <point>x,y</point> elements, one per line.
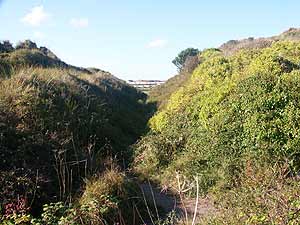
<point>158,43</point>
<point>79,22</point>
<point>39,35</point>
<point>36,16</point>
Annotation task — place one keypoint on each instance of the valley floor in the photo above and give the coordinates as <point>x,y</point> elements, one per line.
<point>183,209</point>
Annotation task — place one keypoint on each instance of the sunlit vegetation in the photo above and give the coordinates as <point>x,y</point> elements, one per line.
<point>234,114</point>
<point>58,126</point>
<point>76,143</point>
<point>186,62</point>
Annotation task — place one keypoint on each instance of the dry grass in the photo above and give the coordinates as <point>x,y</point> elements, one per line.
<point>111,182</point>
<point>266,196</point>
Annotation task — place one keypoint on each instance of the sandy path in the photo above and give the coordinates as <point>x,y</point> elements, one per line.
<point>169,202</point>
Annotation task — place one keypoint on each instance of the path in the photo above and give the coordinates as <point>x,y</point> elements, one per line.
<point>169,202</point>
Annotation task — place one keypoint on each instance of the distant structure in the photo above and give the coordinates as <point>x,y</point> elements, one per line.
<point>145,85</point>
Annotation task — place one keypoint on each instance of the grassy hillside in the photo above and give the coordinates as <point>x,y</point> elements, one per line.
<point>28,54</point>
<point>60,125</point>
<point>228,129</point>
<point>233,46</point>
<point>235,115</point>
<point>161,94</point>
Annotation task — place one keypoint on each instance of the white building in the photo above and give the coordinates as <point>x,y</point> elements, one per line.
<point>145,85</point>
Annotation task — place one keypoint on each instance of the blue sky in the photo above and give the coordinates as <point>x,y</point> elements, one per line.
<point>137,39</point>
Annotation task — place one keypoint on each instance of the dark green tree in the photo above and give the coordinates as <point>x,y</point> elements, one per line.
<point>179,61</point>
<point>27,44</point>
<point>6,46</point>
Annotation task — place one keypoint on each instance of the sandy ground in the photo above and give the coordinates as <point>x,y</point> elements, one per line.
<point>168,202</point>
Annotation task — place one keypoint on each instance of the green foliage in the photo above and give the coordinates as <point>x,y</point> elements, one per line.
<point>234,123</point>
<point>160,94</point>
<point>5,68</point>
<point>32,57</point>
<point>27,44</point>
<point>170,219</point>
<point>182,57</point>
<point>5,47</point>
<point>266,196</point>
<point>27,54</point>
<point>109,198</point>
<point>52,214</point>
<point>57,126</point>
<point>233,109</point>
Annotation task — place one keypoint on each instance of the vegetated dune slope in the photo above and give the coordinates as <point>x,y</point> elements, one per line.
<point>59,124</point>
<point>161,94</point>
<point>234,124</point>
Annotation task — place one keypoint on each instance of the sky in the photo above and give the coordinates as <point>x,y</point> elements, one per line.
<point>138,39</point>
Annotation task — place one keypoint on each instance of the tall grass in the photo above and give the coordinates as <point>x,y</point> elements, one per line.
<point>62,124</point>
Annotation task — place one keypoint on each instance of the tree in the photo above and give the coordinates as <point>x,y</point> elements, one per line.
<point>190,64</point>
<point>6,46</point>
<point>179,61</point>
<point>27,44</point>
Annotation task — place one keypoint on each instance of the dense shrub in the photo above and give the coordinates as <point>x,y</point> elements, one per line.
<point>233,109</point>
<point>182,57</point>
<point>5,68</point>
<point>108,198</point>
<point>267,195</point>
<point>5,47</point>
<point>27,44</point>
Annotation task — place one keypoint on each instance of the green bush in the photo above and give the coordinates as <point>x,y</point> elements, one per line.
<point>5,69</point>
<point>266,196</point>
<point>232,109</point>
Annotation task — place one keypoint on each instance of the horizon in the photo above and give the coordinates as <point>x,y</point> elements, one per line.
<point>138,40</point>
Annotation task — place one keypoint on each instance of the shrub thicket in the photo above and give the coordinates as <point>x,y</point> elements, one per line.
<point>232,110</point>
<point>267,195</point>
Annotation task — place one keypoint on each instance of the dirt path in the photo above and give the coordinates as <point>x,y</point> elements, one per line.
<point>168,202</point>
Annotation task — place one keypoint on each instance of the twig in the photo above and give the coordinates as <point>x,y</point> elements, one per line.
<point>196,206</point>
<point>36,184</point>
<point>138,212</point>
<point>153,200</point>
<point>148,210</point>
<point>181,198</point>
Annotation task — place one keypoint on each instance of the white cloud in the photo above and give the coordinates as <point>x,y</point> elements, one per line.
<point>36,16</point>
<point>158,43</point>
<point>39,35</point>
<point>79,22</point>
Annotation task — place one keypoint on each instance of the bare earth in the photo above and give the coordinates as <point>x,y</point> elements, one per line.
<point>169,202</point>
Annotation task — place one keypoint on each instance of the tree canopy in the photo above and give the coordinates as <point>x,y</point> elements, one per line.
<point>183,56</point>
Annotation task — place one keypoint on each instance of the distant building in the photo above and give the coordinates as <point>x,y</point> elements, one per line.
<point>145,85</point>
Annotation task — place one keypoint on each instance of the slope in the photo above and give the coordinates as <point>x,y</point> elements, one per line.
<point>236,114</point>
<point>59,124</point>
